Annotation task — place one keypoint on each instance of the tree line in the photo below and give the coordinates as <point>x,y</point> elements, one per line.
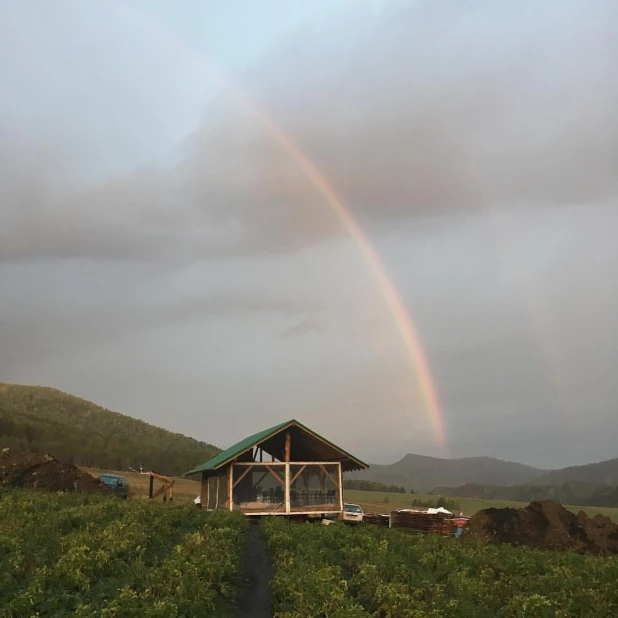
<point>570,493</point>
<point>362,485</point>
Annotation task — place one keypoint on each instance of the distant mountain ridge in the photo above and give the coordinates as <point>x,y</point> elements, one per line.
<point>422,473</point>
<point>47,420</point>
<point>601,473</point>
<point>594,484</point>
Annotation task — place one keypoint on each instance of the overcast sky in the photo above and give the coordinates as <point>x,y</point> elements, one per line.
<point>163,256</point>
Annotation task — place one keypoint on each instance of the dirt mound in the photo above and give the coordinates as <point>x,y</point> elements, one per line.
<point>31,470</point>
<point>547,525</point>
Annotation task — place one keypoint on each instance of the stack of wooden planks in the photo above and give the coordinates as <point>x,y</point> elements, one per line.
<point>377,519</point>
<point>419,521</point>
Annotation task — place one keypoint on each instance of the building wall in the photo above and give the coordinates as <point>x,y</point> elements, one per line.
<point>213,490</point>
<point>204,491</point>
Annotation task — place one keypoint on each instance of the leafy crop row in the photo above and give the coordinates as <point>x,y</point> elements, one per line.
<point>75,555</point>
<point>339,571</point>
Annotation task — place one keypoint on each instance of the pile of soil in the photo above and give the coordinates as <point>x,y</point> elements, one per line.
<point>31,470</point>
<point>547,525</point>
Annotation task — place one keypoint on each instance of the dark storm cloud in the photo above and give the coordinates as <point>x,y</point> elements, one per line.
<point>432,107</point>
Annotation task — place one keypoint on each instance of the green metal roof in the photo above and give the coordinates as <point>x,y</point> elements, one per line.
<point>239,448</point>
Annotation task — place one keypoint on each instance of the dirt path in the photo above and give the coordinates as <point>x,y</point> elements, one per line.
<point>254,599</point>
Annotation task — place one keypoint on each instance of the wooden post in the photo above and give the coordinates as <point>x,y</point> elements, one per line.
<point>287,487</point>
<point>230,489</point>
<point>288,444</point>
<point>341,486</point>
<point>151,487</point>
<point>217,496</point>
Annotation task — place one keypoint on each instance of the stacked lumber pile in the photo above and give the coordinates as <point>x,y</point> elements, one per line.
<point>419,521</point>
<point>377,519</point>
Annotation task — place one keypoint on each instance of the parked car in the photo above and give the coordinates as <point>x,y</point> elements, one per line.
<point>119,484</point>
<point>352,513</point>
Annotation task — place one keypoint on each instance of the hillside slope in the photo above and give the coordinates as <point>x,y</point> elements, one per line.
<point>602,473</point>
<point>423,473</point>
<point>571,492</point>
<point>47,420</point>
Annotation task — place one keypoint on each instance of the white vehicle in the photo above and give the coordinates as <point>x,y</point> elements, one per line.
<point>352,513</point>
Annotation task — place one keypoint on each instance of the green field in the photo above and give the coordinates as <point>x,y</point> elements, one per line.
<point>70,554</point>
<point>96,556</point>
<point>373,572</point>
<point>374,501</point>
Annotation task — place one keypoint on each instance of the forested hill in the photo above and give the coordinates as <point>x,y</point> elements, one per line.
<point>605,472</point>
<point>47,420</point>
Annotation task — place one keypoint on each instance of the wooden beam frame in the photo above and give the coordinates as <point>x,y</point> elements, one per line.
<point>292,512</point>
<point>241,477</point>
<point>280,463</point>
<point>335,483</point>
<point>282,481</point>
<point>260,479</point>
<point>293,479</point>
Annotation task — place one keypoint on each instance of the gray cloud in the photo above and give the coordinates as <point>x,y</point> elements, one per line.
<point>475,141</point>
<point>90,306</point>
<point>426,109</point>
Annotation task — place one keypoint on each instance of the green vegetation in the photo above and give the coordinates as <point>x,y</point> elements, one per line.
<point>372,486</point>
<point>341,571</point>
<point>570,492</point>
<point>373,501</point>
<point>46,420</point>
<point>90,556</point>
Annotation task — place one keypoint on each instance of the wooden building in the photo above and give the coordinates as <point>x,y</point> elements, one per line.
<point>285,470</point>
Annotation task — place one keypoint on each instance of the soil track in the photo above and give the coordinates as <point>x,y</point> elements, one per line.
<point>34,471</point>
<point>254,600</point>
<point>547,525</point>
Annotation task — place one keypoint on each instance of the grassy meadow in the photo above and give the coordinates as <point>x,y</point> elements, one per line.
<point>185,490</point>
<point>383,502</point>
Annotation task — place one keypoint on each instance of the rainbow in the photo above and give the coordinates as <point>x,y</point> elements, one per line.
<point>321,183</point>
